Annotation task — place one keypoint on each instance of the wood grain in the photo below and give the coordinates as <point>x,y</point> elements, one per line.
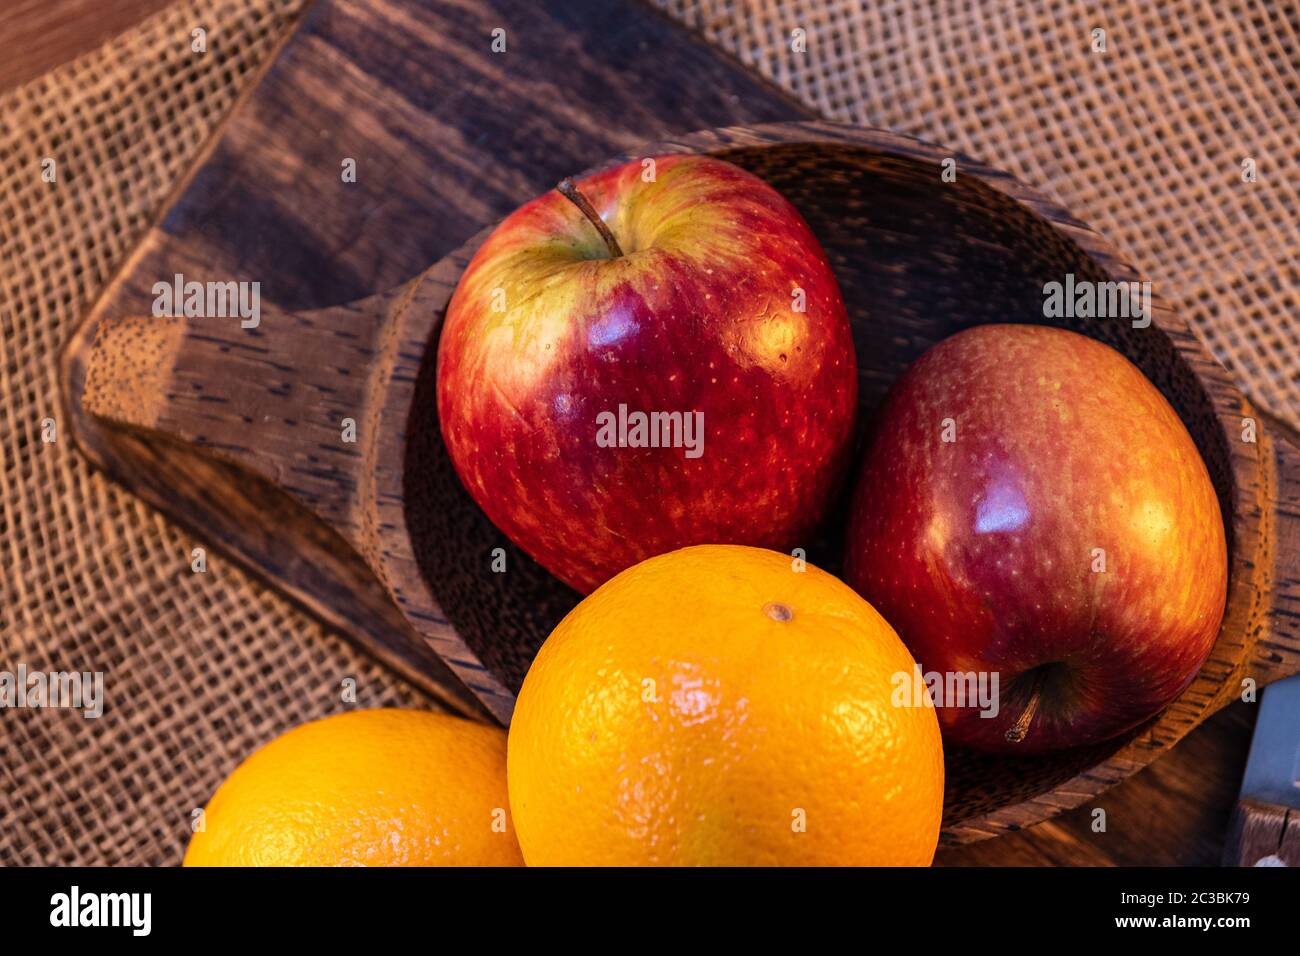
<point>39,35</point>
<point>1263,834</point>
<point>1173,813</point>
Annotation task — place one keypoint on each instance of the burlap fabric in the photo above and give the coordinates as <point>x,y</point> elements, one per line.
<point>1146,141</point>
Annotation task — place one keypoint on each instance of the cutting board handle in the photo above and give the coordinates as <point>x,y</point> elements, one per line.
<point>287,400</point>
<point>264,436</point>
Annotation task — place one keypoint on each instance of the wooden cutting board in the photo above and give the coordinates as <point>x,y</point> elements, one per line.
<point>445,135</point>
<point>440,132</point>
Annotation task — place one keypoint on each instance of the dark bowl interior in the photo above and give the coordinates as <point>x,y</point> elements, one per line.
<point>917,260</point>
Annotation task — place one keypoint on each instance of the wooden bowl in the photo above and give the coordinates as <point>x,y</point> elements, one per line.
<point>917,260</point>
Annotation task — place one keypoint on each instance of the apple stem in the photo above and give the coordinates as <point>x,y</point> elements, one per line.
<point>1020,729</point>
<point>570,192</point>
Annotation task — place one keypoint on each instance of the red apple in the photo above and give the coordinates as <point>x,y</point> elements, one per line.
<point>1066,536</point>
<point>687,291</point>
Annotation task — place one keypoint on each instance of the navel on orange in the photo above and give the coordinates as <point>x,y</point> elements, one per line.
<point>720,706</point>
<point>365,788</point>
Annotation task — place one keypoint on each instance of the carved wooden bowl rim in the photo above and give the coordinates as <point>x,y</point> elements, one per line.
<point>418,320</point>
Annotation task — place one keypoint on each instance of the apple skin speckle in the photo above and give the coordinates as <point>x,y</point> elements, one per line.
<point>1063,447</point>
<point>697,316</point>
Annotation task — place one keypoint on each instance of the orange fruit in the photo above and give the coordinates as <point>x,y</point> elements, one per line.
<point>365,788</point>
<point>717,706</point>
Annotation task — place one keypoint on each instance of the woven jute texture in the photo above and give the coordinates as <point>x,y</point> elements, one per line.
<point>1145,141</point>
<point>199,669</point>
